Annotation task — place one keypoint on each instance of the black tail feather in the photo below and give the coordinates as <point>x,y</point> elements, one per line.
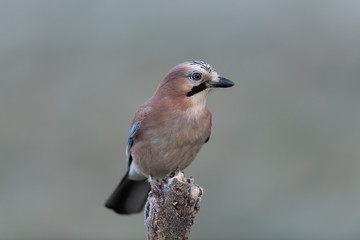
<point>129,196</point>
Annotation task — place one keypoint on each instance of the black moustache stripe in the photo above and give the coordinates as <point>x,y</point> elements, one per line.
<point>196,89</point>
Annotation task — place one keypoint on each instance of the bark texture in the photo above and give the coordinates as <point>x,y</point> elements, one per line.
<point>171,207</point>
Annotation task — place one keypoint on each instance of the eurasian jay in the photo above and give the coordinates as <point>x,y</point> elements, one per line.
<point>167,132</point>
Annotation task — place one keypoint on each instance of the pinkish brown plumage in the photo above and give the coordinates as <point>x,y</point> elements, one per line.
<point>168,131</point>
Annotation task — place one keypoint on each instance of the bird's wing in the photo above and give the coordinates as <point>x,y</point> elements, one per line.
<point>140,117</point>
<point>130,142</point>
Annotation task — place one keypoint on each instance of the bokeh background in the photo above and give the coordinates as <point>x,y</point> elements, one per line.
<point>283,161</point>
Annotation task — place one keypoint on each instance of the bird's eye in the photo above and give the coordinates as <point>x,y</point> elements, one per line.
<point>196,76</point>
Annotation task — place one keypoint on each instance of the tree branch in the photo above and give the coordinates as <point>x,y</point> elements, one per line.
<point>172,205</point>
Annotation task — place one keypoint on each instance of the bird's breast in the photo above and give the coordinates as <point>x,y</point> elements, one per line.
<point>174,143</point>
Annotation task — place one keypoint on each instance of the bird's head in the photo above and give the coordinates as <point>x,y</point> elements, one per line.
<point>192,81</point>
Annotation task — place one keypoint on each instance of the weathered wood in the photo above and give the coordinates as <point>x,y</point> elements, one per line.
<point>171,207</point>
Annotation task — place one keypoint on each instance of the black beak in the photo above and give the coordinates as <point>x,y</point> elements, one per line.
<point>222,83</point>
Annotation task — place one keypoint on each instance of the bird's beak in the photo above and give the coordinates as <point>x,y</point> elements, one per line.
<point>221,83</point>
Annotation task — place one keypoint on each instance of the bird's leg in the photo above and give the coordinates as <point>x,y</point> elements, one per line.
<point>155,186</point>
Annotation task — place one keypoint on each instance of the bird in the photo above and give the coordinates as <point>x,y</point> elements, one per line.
<point>167,132</point>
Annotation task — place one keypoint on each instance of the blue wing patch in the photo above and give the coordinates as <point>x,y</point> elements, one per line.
<point>131,134</point>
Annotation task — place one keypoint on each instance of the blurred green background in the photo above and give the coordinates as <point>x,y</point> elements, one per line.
<point>283,161</point>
